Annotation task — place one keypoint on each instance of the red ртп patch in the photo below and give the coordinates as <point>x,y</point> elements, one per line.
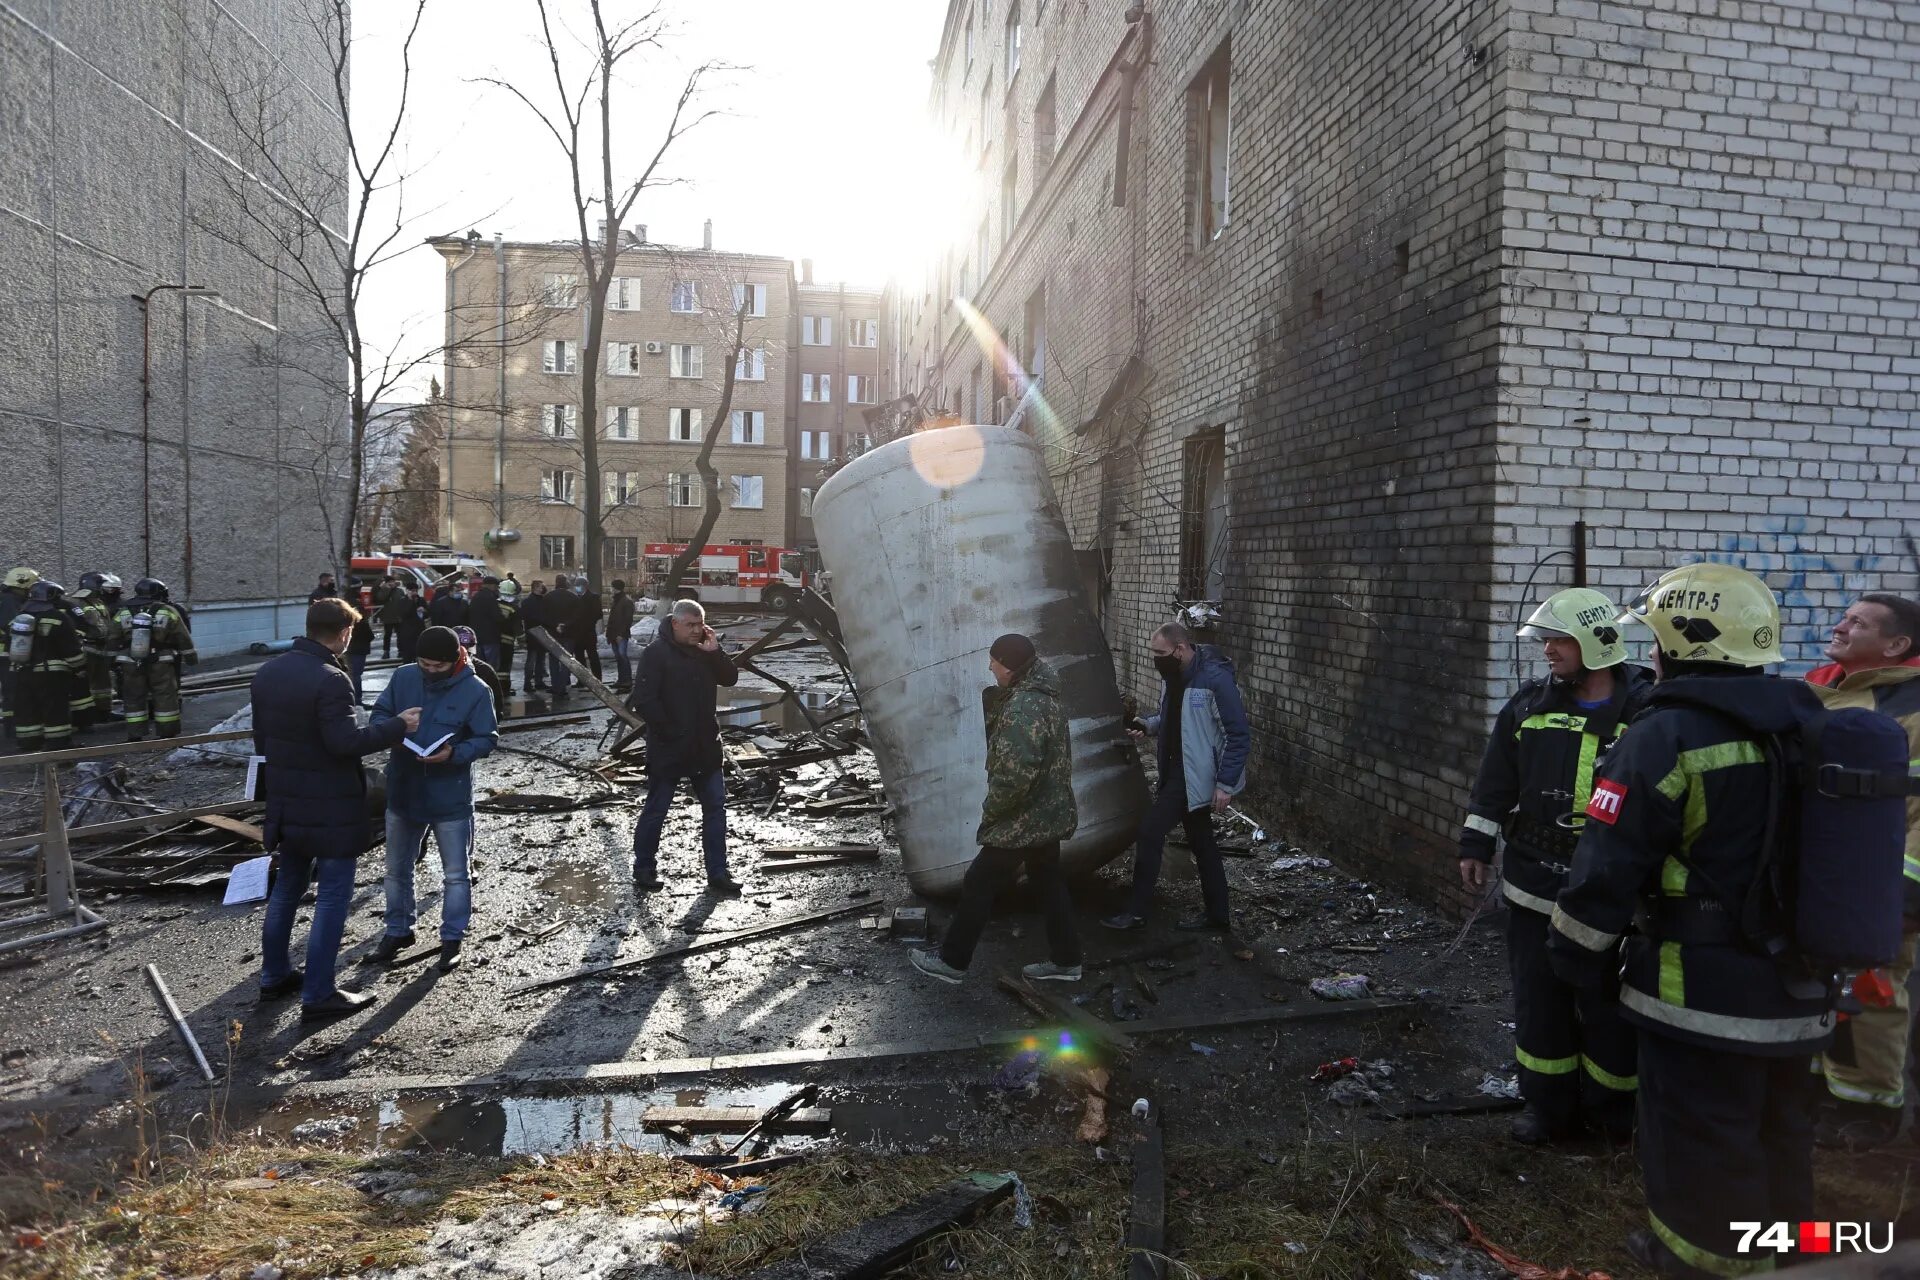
<point>1604,806</point>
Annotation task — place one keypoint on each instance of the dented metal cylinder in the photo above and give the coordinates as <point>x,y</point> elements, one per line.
<point>938,543</point>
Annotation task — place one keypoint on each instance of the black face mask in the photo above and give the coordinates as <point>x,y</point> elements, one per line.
<point>1168,666</point>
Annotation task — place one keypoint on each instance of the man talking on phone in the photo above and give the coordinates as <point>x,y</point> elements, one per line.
<point>673,691</point>
<point>430,787</point>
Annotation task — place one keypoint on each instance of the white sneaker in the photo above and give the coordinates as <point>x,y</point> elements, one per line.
<point>1048,971</point>
<point>934,967</point>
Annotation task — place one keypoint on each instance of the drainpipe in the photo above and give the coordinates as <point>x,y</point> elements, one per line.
<point>500,386</point>
<point>452,398</point>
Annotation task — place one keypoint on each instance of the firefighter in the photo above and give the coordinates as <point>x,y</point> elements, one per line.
<point>93,615</point>
<point>153,643</point>
<point>13,595</point>
<point>43,644</point>
<point>1576,1056</point>
<point>1676,836</point>
<point>510,627</point>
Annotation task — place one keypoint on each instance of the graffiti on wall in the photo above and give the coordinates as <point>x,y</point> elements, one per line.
<point>1814,586</point>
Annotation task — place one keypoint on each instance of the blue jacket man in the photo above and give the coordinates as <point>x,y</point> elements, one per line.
<point>317,822</point>
<point>1204,741</point>
<point>430,786</point>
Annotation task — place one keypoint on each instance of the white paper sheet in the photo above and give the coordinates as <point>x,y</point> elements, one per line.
<point>248,883</point>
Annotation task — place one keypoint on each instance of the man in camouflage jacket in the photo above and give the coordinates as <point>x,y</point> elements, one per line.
<point>1028,811</point>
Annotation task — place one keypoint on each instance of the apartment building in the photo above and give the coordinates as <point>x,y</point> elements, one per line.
<point>161,405</point>
<point>515,465</point>
<point>837,367</point>
<point>1371,325</point>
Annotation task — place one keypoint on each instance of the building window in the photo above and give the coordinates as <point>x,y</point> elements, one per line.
<point>816,388</point>
<point>559,356</point>
<point>1045,127</point>
<point>751,366</point>
<point>683,425</point>
<point>1203,517</point>
<point>749,493</point>
<point>806,504</point>
<point>858,443</point>
<point>749,426</point>
<point>862,388</point>
<point>623,358</point>
<point>560,291</point>
<point>685,360</point>
<point>1035,354</point>
<point>816,331</point>
<point>966,30</point>
<point>1207,105</point>
<point>556,551</point>
<point>686,299</point>
<point>560,421</point>
<point>683,490</point>
<point>863,333</point>
<point>623,423</point>
<point>1009,197</point>
<point>751,296</point>
<point>620,553</point>
<point>623,294</point>
<point>623,488</point>
<point>556,485</point>
<point>1013,44</point>
<point>816,446</point>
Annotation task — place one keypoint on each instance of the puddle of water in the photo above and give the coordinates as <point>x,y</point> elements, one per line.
<point>514,1126</point>
<point>575,886</point>
<point>741,708</point>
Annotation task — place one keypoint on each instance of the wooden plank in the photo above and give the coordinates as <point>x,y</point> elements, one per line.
<point>879,1245</point>
<point>174,818</point>
<point>233,826</point>
<point>1147,1215</point>
<point>780,867</point>
<point>807,850</point>
<point>812,755</point>
<point>735,1120</point>
<point>1476,1105</point>
<point>712,943</point>
<point>613,701</point>
<point>1068,1015</point>
<point>843,802</point>
<point>107,750</point>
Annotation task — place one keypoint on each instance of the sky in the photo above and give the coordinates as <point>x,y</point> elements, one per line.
<point>823,151</point>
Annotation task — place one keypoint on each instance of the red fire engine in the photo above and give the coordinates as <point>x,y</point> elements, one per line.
<point>733,573</point>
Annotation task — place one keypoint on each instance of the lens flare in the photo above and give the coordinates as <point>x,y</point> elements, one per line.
<point>1004,358</point>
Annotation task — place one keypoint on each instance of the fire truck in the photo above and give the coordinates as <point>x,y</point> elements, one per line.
<point>734,573</point>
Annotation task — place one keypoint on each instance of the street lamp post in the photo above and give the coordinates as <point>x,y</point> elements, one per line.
<point>145,301</point>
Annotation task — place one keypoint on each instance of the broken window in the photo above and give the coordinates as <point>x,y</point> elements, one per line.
<point>556,485</point>
<point>1203,516</point>
<point>556,551</point>
<point>1035,354</point>
<point>683,490</point>
<point>1212,121</point>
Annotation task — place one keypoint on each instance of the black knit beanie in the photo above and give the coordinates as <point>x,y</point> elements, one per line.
<point>438,644</point>
<point>1013,651</point>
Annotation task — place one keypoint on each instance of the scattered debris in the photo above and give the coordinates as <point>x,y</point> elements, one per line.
<point>321,1130</point>
<point>874,1248</point>
<point>1147,1213</point>
<point>1064,1013</point>
<point>1341,986</point>
<point>910,924</point>
<point>1294,862</point>
<point>1517,1267</point>
<point>1093,1118</point>
<point>180,1026</point>
<point>540,802</point>
<point>1023,1072</point>
<point>1204,1050</point>
<point>1364,1084</point>
<point>778,1113</point>
<point>734,1120</point>
<point>1500,1087</point>
<point>1427,1108</point>
<point>1328,1071</point>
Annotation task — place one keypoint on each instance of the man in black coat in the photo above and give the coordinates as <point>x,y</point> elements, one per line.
<point>534,613</point>
<point>674,693</point>
<point>317,822</point>
<point>619,633</point>
<point>449,607</point>
<point>413,620</point>
<point>562,608</point>
<point>483,615</point>
<point>325,591</point>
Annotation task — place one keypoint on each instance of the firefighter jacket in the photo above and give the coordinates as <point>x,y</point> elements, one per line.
<point>97,629</point>
<point>11,603</point>
<point>1892,691</point>
<point>56,640</point>
<point>172,642</point>
<point>1672,845</point>
<point>1536,777</point>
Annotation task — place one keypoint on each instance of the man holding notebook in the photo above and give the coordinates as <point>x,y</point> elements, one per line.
<point>430,786</point>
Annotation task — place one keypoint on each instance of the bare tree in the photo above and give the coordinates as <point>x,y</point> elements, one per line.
<point>736,351</point>
<point>321,232</point>
<point>580,121</point>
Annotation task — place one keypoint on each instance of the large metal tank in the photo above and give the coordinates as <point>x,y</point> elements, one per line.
<point>938,543</point>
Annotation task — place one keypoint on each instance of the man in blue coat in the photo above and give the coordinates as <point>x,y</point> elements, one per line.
<point>317,822</point>
<point>1204,741</point>
<point>430,786</point>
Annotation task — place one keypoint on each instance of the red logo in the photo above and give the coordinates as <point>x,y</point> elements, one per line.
<point>1607,798</point>
<point>1816,1237</point>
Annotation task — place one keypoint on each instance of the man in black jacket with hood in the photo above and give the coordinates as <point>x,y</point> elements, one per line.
<point>674,693</point>
<point>1575,1053</point>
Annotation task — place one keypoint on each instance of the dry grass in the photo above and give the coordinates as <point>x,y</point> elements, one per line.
<point>1351,1208</point>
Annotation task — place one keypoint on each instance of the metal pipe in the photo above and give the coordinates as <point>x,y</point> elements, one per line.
<point>145,301</point>
<point>74,931</point>
<point>1579,553</point>
<point>180,1026</point>
<point>500,388</point>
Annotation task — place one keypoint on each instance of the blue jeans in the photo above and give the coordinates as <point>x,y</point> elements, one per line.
<point>490,654</point>
<point>357,665</point>
<point>557,672</point>
<point>454,837</point>
<point>333,896</point>
<point>711,788</point>
<point>619,648</point>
